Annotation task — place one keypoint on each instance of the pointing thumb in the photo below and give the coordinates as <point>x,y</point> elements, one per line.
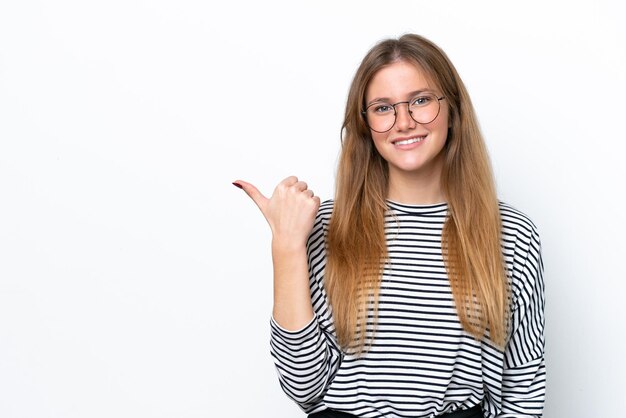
<point>254,193</point>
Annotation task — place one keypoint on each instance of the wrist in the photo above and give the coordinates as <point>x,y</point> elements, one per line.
<point>287,247</point>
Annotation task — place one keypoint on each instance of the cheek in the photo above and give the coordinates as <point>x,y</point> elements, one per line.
<point>377,143</point>
<point>379,140</point>
<point>376,137</point>
<point>441,125</point>
<point>447,120</point>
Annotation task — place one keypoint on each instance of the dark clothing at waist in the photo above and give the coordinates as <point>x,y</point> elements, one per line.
<point>473,412</point>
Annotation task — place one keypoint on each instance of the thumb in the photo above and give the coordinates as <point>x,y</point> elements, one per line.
<point>254,193</point>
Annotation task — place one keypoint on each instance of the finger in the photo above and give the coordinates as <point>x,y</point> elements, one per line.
<point>289,181</point>
<point>254,193</point>
<point>309,193</point>
<point>301,186</point>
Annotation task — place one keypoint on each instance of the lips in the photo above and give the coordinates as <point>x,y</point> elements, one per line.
<point>408,141</point>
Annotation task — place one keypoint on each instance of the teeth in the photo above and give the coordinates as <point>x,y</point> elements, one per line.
<point>410,141</point>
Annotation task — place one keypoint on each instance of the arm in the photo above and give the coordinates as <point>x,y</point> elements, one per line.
<point>301,340</point>
<point>524,377</point>
<point>308,358</point>
<point>290,213</point>
<point>292,298</point>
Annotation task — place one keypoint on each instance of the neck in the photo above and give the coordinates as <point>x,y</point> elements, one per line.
<point>416,188</point>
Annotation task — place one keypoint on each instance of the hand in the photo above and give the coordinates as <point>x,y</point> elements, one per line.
<point>290,211</point>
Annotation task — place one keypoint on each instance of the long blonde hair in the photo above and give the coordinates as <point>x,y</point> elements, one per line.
<point>356,245</point>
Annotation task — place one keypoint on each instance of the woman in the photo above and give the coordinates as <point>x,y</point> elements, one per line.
<point>415,293</point>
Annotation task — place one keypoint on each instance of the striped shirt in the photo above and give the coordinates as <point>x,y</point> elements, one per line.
<point>421,362</point>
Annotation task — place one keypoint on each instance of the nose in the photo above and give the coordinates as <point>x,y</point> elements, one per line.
<point>404,121</point>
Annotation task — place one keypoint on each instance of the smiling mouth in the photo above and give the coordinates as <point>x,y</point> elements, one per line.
<point>409,140</point>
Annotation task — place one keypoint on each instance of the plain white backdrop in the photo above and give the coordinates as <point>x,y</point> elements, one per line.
<point>135,280</point>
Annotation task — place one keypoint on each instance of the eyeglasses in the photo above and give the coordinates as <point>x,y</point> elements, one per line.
<point>381,117</point>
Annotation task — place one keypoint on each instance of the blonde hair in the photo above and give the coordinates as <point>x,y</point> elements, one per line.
<point>356,245</point>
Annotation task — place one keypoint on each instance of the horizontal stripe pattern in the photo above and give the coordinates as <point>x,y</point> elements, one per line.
<point>421,362</point>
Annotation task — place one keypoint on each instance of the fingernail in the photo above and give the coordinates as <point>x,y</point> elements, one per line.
<point>237,184</point>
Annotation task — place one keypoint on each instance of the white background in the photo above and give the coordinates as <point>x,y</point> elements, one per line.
<point>135,280</point>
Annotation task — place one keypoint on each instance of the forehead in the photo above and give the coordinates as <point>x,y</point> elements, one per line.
<point>397,80</point>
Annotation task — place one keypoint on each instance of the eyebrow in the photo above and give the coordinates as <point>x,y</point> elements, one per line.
<point>411,95</point>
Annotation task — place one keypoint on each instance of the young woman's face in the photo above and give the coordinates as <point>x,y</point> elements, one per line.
<point>409,147</point>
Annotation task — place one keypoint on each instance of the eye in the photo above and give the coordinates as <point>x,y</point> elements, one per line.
<point>382,108</point>
<point>421,100</point>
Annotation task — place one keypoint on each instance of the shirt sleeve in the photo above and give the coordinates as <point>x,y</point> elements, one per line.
<point>307,359</point>
<point>524,377</point>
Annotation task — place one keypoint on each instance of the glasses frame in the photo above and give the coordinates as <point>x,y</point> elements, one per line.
<point>395,112</point>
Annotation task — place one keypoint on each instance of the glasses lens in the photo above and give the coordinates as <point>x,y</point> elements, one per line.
<point>424,108</point>
<point>380,117</point>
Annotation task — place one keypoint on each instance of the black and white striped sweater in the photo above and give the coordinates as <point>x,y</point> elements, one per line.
<point>421,362</point>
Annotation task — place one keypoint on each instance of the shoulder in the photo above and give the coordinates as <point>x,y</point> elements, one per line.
<point>514,220</point>
<point>324,213</point>
<point>517,225</point>
<point>316,244</point>
<point>322,220</point>
<point>326,208</point>
<point>518,228</point>
<point>522,250</point>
